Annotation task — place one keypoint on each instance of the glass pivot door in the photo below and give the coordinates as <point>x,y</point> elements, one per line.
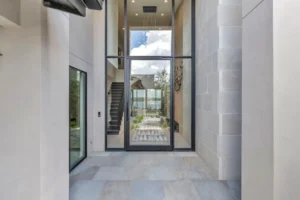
<point>148,105</point>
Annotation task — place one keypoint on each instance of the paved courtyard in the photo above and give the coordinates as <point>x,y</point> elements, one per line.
<point>148,176</point>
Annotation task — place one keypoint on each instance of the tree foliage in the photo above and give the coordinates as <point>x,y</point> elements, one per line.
<point>74,98</point>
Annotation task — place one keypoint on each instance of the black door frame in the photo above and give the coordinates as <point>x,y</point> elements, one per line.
<point>126,58</point>
<point>85,118</point>
<point>127,103</point>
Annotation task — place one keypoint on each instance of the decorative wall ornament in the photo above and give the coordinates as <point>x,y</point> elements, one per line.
<point>178,76</point>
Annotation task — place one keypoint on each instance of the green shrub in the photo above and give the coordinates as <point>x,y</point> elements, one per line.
<point>164,124</point>
<point>138,119</point>
<point>73,124</point>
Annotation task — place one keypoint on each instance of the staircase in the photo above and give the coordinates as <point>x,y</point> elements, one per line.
<point>116,108</point>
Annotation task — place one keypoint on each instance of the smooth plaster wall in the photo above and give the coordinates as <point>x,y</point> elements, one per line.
<point>218,86</point>
<point>54,105</point>
<point>10,13</point>
<point>20,119</point>
<point>81,57</point>
<point>99,80</point>
<point>257,105</point>
<point>34,108</point>
<point>286,48</point>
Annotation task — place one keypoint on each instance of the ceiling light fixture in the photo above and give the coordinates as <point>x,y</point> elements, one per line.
<point>166,1</point>
<point>133,1</point>
<point>162,14</point>
<point>136,14</point>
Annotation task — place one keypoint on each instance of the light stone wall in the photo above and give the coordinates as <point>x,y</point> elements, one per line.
<point>218,86</point>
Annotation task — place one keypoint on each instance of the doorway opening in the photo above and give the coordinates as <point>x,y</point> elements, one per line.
<point>150,75</point>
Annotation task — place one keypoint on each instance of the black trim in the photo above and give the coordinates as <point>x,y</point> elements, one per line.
<point>86,129</point>
<point>193,124</point>
<point>172,78</point>
<point>172,58</point>
<point>105,88</point>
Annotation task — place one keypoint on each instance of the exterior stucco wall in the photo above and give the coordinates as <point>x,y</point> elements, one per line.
<point>286,99</point>
<point>81,57</point>
<point>257,158</point>
<point>54,105</point>
<point>99,80</point>
<point>218,86</point>
<point>20,119</point>
<point>34,105</point>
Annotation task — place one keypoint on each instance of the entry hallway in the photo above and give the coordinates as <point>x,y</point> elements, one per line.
<point>148,176</point>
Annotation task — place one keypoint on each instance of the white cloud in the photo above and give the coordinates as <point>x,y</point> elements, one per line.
<point>149,66</point>
<point>158,43</point>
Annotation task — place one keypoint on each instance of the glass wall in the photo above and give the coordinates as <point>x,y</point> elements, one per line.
<point>150,103</point>
<point>149,28</point>
<point>183,102</point>
<point>115,103</point>
<point>115,27</point>
<point>183,28</point>
<point>151,93</point>
<point>77,116</point>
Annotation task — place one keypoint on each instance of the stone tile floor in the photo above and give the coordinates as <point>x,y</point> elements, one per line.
<point>148,176</point>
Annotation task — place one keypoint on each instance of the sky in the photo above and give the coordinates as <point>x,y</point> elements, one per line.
<point>150,43</point>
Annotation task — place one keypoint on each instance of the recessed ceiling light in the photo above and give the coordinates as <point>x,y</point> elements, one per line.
<point>133,1</point>
<point>166,1</point>
<point>162,14</point>
<point>136,14</point>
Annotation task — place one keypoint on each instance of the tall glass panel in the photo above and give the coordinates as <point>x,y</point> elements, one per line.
<point>77,116</point>
<point>115,103</point>
<point>149,28</point>
<point>183,28</point>
<point>183,102</point>
<point>150,103</point>
<point>115,27</point>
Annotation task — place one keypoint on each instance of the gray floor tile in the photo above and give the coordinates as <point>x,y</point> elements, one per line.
<point>111,173</point>
<point>212,190</point>
<point>136,173</point>
<point>195,174</point>
<point>163,173</point>
<point>193,162</point>
<point>104,161</point>
<point>130,161</point>
<point>147,190</point>
<point>169,161</point>
<point>86,190</point>
<point>184,154</point>
<point>85,174</point>
<point>180,190</point>
<point>116,190</point>
<point>235,189</point>
<point>148,175</point>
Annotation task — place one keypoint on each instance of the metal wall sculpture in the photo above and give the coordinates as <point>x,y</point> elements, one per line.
<point>178,76</point>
